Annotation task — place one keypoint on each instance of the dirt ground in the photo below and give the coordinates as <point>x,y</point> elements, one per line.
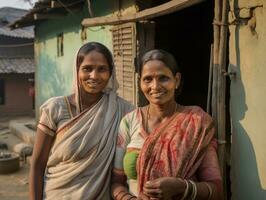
<point>13,186</point>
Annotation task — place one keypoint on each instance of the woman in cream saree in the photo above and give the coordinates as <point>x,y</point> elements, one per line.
<point>75,141</point>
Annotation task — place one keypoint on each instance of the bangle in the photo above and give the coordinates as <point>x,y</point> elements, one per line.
<point>115,196</point>
<point>194,190</point>
<point>209,189</point>
<point>122,197</point>
<point>186,190</point>
<point>132,197</point>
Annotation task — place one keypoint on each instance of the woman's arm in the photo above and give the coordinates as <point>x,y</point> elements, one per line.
<point>208,187</point>
<point>209,172</point>
<point>42,146</point>
<point>119,187</point>
<point>170,187</point>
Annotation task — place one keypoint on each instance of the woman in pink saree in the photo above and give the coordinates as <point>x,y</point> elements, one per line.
<point>75,140</point>
<point>165,150</point>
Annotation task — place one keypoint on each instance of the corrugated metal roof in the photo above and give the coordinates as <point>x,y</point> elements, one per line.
<point>45,8</point>
<point>9,15</point>
<point>17,65</point>
<point>20,33</point>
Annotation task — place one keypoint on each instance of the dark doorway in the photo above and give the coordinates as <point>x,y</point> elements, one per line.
<point>188,35</point>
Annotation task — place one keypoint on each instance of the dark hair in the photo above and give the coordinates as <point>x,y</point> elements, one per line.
<point>95,46</point>
<point>162,55</point>
<point>165,57</point>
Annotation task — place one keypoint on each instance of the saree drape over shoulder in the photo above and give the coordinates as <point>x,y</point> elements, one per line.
<point>79,163</point>
<point>183,146</point>
<point>177,147</point>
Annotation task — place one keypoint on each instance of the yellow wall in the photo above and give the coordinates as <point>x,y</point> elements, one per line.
<point>248,99</point>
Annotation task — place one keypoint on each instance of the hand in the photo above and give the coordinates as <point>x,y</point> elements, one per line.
<point>164,188</point>
<point>143,197</point>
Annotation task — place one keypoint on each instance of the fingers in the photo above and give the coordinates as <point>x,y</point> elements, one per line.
<point>143,197</point>
<point>153,190</point>
<point>152,184</point>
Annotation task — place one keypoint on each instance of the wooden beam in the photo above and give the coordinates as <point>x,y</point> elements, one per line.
<point>38,16</point>
<point>163,9</point>
<point>56,4</point>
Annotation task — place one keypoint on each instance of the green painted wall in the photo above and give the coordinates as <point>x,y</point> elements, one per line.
<point>54,75</point>
<point>248,94</point>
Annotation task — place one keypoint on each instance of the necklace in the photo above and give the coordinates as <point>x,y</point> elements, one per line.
<point>148,116</point>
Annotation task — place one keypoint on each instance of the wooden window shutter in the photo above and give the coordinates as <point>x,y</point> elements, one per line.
<point>124,50</point>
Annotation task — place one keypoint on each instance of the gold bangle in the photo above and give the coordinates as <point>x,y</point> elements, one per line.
<point>209,189</point>
<point>186,190</point>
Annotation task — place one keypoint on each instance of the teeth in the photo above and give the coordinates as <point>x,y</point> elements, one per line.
<point>157,94</point>
<point>92,83</point>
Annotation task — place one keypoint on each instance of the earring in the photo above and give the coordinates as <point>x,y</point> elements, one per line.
<point>176,86</point>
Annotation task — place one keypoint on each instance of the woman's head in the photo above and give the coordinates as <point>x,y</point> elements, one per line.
<point>160,76</point>
<point>94,67</point>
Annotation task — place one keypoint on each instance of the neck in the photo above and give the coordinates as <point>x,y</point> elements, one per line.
<point>162,110</point>
<point>87,99</point>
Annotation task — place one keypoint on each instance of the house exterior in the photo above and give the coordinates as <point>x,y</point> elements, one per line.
<point>185,28</point>
<point>16,65</point>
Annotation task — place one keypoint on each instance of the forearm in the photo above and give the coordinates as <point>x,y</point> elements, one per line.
<point>200,191</point>
<point>36,183</point>
<point>120,192</point>
<point>207,190</point>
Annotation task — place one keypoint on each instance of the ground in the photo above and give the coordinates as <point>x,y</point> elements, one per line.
<point>13,186</point>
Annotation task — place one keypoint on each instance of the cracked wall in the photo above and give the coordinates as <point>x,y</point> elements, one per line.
<point>247,49</point>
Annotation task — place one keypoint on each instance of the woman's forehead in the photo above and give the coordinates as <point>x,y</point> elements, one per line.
<point>94,58</point>
<point>155,66</point>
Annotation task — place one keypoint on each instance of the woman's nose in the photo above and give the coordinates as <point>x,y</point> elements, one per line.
<point>155,84</point>
<point>94,74</point>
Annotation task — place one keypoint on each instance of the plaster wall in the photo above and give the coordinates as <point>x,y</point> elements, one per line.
<point>247,47</point>
<point>17,99</point>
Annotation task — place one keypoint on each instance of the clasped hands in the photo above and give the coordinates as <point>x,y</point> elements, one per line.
<point>162,189</point>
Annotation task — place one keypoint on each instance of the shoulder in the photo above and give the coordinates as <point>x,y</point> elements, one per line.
<point>54,103</point>
<point>197,112</point>
<point>131,117</point>
<point>54,100</point>
<point>132,114</point>
<point>126,106</point>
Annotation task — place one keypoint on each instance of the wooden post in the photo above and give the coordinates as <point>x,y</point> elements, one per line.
<point>216,42</point>
<point>210,82</point>
<point>221,108</point>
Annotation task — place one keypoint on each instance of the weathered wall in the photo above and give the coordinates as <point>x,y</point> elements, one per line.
<point>247,58</point>
<point>54,74</point>
<point>17,99</point>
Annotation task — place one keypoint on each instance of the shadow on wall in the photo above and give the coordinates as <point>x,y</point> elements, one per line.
<point>244,175</point>
<point>53,79</point>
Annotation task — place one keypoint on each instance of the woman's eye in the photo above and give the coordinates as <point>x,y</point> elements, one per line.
<point>103,69</point>
<point>147,79</point>
<point>164,78</point>
<point>87,69</point>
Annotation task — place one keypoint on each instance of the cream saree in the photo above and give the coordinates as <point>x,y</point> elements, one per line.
<point>80,160</point>
<point>79,163</point>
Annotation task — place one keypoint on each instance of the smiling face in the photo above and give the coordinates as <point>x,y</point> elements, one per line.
<point>94,72</point>
<point>158,83</point>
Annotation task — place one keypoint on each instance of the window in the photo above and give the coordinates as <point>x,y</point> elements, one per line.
<point>60,45</point>
<point>124,50</point>
<point>2,92</point>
